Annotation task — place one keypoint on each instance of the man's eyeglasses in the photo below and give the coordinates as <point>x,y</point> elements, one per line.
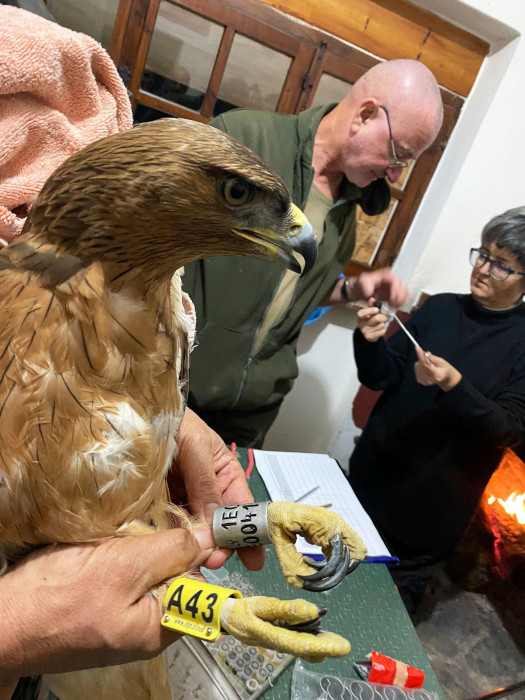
<point>395,163</point>
<point>497,270</point>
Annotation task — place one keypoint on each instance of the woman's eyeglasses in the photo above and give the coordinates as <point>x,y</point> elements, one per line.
<point>497,270</point>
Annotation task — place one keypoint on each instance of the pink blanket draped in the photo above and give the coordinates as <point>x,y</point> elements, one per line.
<point>59,91</point>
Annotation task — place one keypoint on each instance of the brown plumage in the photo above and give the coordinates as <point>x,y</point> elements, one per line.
<point>94,333</point>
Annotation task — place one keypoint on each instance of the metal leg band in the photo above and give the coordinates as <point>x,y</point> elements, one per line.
<point>244,525</point>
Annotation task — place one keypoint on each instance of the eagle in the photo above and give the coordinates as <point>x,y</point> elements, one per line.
<point>95,337</point>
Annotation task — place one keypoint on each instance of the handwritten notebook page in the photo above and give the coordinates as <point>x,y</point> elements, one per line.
<point>289,475</point>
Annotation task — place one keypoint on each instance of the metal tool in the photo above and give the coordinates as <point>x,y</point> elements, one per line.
<point>379,305</point>
<point>404,328</point>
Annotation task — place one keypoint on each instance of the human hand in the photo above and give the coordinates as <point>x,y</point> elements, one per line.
<point>372,322</point>
<point>206,475</point>
<point>71,607</point>
<point>250,621</point>
<point>342,547</point>
<point>381,284</point>
<point>431,370</point>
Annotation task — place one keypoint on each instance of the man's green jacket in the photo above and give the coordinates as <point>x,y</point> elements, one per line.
<point>237,392</point>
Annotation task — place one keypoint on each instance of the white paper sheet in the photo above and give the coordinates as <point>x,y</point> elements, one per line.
<point>288,476</point>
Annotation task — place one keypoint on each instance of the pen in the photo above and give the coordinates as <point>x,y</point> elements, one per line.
<point>306,494</point>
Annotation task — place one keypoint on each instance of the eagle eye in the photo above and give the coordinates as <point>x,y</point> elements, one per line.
<point>236,191</point>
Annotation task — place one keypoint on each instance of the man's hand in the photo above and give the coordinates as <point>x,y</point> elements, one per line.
<point>69,607</point>
<point>206,475</point>
<point>381,284</point>
<point>431,370</point>
<point>371,322</point>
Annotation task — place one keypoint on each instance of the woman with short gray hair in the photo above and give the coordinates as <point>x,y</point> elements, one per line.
<point>449,407</point>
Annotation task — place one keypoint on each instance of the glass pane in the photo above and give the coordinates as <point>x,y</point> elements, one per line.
<point>254,76</point>
<point>93,17</point>
<point>143,113</point>
<point>370,232</point>
<point>181,56</point>
<point>330,89</point>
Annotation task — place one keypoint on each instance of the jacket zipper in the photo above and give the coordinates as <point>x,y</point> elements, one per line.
<point>252,356</point>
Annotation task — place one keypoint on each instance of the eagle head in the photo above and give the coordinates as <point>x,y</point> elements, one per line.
<point>168,192</point>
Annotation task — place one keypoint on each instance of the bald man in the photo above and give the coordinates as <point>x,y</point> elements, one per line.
<point>331,158</point>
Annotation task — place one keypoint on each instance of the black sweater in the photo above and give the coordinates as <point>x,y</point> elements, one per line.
<point>426,455</point>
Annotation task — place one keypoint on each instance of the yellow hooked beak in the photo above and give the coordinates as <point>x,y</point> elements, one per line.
<point>296,249</point>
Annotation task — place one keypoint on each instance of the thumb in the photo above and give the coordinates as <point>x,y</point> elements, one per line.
<point>162,555</point>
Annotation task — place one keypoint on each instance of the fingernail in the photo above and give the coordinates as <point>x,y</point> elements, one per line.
<point>205,538</point>
<point>209,510</point>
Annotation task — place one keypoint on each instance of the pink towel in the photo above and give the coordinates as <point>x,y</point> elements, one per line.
<point>59,91</point>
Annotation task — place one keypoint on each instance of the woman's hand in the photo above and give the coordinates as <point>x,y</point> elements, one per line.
<point>371,322</point>
<point>431,370</point>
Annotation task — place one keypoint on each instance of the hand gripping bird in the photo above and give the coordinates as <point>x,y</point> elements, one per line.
<point>93,359</point>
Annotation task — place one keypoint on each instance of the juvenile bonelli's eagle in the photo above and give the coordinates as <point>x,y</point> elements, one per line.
<point>94,337</point>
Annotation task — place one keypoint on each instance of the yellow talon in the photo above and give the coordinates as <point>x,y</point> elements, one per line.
<point>251,621</point>
<point>287,520</point>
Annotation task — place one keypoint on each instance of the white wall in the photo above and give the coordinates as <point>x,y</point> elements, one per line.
<point>480,175</point>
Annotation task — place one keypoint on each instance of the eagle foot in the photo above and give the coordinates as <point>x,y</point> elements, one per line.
<point>280,523</point>
<point>289,626</point>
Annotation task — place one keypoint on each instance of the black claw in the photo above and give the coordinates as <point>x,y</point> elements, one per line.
<point>328,583</point>
<point>310,626</point>
<point>328,569</point>
<point>331,572</point>
<point>354,563</point>
<point>314,563</point>
<point>332,563</point>
<point>337,546</point>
